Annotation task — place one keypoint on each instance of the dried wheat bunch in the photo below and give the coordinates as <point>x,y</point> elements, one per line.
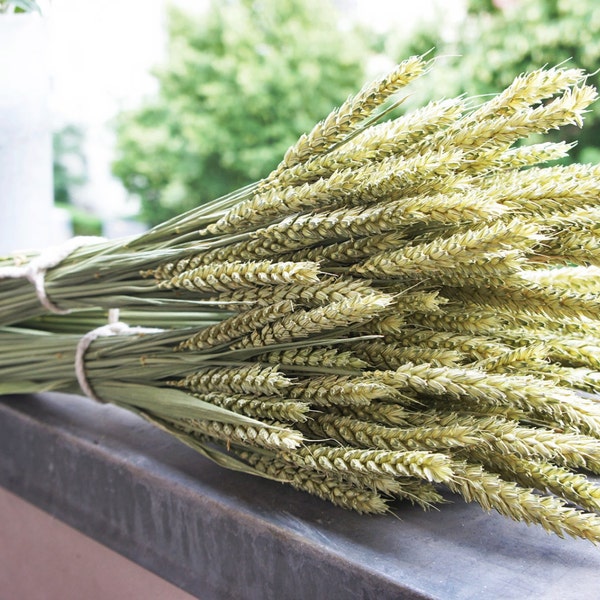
<point>400,305</point>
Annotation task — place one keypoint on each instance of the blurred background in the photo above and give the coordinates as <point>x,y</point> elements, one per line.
<point>146,108</point>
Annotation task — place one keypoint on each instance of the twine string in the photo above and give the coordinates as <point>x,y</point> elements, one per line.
<point>35,270</point>
<point>113,327</point>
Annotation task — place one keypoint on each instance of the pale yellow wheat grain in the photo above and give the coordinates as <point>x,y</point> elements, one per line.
<point>339,390</point>
<point>355,110</point>
<point>304,323</point>
<point>314,356</point>
<point>340,493</point>
<point>546,477</point>
<point>528,89</point>
<point>327,291</point>
<point>385,355</point>
<point>231,276</point>
<point>237,326</point>
<point>371,436</point>
<point>378,412</point>
<point>263,408</point>
<point>272,437</point>
<point>583,280</point>
<point>445,253</point>
<point>425,465</point>
<point>520,504</point>
<point>251,379</point>
<point>525,393</point>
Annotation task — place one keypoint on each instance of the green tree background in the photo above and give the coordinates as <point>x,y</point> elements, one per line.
<point>240,84</point>
<point>500,39</point>
<point>70,173</point>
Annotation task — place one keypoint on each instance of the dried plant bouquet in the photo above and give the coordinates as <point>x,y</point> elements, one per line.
<point>400,305</point>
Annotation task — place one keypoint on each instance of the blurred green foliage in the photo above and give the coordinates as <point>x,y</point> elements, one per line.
<point>501,38</point>
<point>69,163</point>
<point>83,222</point>
<point>19,6</point>
<point>240,84</point>
<point>70,174</point>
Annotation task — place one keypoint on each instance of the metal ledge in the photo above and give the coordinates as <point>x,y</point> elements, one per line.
<point>221,535</point>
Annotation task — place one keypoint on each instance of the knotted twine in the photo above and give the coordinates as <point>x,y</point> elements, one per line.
<point>113,327</point>
<point>35,270</point>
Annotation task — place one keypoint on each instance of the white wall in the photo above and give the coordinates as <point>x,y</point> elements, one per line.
<point>27,215</point>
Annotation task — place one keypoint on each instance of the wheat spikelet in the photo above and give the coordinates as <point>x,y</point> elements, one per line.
<point>567,109</point>
<point>398,176</point>
<point>421,493</point>
<point>539,398</point>
<point>366,184</point>
<point>554,303</point>
<point>380,412</point>
<point>303,323</point>
<point>578,378</point>
<point>273,409</point>
<point>520,504</point>
<point>425,302</point>
<point>314,356</point>
<point>167,270</point>
<point>404,308</point>
<point>508,437</point>
<point>574,352</point>
<point>455,320</point>
<point>385,326</point>
<point>245,250</point>
<point>444,254</point>
<point>528,89</point>
<point>344,120</point>
<point>368,435</point>
<point>237,326</point>
<point>501,131</point>
<point>575,246</point>
<point>373,144</point>
<point>251,379</point>
<point>583,280</point>
<point>325,292</point>
<point>584,217</point>
<point>272,205</point>
<point>426,465</point>
<point>484,269</point>
<point>546,478</point>
<point>401,135</point>
<point>385,355</point>
<point>550,192</point>
<point>478,348</point>
<point>231,276</point>
<point>299,231</point>
<point>349,251</point>
<point>339,390</point>
<point>338,492</point>
<point>514,158</point>
<point>273,437</point>
<point>527,357</point>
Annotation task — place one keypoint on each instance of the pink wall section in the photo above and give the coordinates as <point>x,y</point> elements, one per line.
<point>41,558</point>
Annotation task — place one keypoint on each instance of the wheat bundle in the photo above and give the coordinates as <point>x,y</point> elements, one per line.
<point>400,305</point>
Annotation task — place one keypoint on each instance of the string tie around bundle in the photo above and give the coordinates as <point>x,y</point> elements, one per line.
<point>113,327</point>
<point>35,270</point>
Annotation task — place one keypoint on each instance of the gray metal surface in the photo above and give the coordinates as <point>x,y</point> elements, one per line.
<point>224,535</point>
